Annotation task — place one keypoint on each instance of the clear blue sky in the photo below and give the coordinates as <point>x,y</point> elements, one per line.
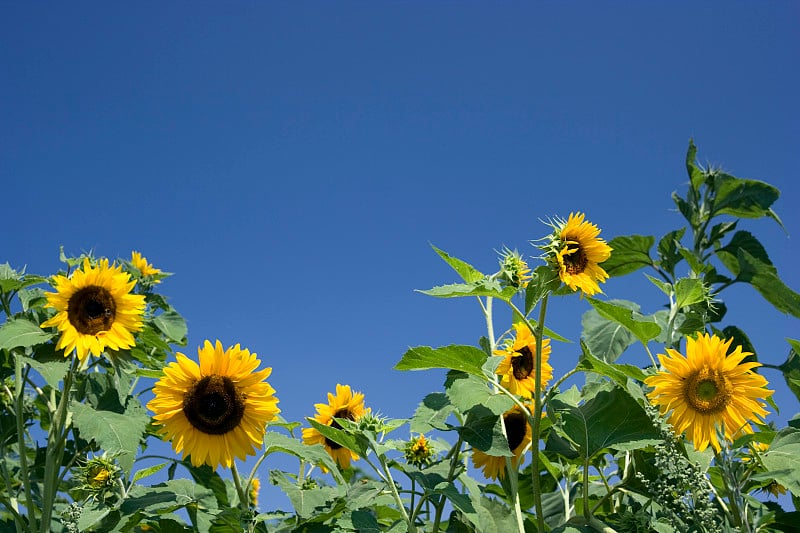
<point>290,162</point>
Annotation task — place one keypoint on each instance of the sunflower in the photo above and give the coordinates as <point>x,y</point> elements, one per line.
<point>578,252</point>
<point>709,387</point>
<point>215,410</point>
<point>95,309</point>
<point>140,262</point>
<point>418,451</point>
<point>517,369</point>
<point>513,269</point>
<point>345,404</point>
<point>518,433</point>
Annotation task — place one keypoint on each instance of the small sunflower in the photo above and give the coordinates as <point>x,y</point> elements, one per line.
<point>418,451</point>
<point>344,404</point>
<point>95,309</point>
<point>518,433</point>
<point>215,410</point>
<point>513,269</point>
<point>578,253</point>
<point>517,369</point>
<point>709,387</point>
<point>140,262</point>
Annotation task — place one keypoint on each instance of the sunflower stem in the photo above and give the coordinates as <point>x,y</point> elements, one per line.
<point>454,459</point>
<point>396,495</point>
<point>537,417</point>
<point>244,501</point>
<point>19,388</point>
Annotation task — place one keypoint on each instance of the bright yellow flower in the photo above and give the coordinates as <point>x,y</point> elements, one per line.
<point>255,487</point>
<point>519,435</point>
<point>344,404</point>
<point>579,252</point>
<point>140,262</point>
<point>709,387</point>
<point>216,410</point>
<point>517,369</point>
<point>96,310</point>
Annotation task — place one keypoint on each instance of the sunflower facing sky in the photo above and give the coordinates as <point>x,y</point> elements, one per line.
<point>344,404</point>
<point>709,387</point>
<point>578,253</point>
<point>216,410</point>
<point>518,433</point>
<point>517,369</point>
<point>95,309</point>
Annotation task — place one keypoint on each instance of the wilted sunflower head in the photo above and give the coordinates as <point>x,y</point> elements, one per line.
<point>709,388</point>
<point>95,309</point>
<point>517,370</point>
<point>216,410</point>
<point>576,251</point>
<point>518,435</point>
<point>345,404</point>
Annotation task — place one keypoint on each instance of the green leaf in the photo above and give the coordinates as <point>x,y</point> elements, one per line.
<point>741,240</point>
<point>605,338</point>
<point>644,330</point>
<point>51,371</point>
<point>696,175</point>
<point>782,459</point>
<point>343,438</point>
<point>149,471</point>
<point>116,433</point>
<point>543,281</point>
<point>668,253</point>
<point>689,291</point>
<point>11,280</point>
<point>456,357</point>
<point>431,413</point>
<point>665,287</point>
<point>483,287</point>
<point>172,325</point>
<point>482,430</point>
<point>743,198</point>
<point>618,373</point>
<point>467,272</point>
<point>165,497</point>
<point>764,278</point>
<point>316,503</point>
<point>21,333</point>
<point>278,442</point>
<point>609,420</point>
<point>791,368</point>
<point>630,253</point>
<point>466,391</point>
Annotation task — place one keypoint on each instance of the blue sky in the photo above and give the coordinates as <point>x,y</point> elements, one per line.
<point>291,162</point>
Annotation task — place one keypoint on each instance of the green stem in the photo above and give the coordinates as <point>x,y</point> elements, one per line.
<point>244,501</point>
<point>537,418</point>
<point>13,508</point>
<point>587,514</point>
<point>398,500</point>
<point>19,389</point>
<point>454,459</point>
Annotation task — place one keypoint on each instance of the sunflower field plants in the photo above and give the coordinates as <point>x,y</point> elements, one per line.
<point>92,375</point>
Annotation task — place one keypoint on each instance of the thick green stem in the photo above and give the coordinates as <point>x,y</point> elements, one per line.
<point>19,389</point>
<point>537,418</point>
<point>587,513</point>
<point>453,463</point>
<point>244,501</point>
<point>396,495</point>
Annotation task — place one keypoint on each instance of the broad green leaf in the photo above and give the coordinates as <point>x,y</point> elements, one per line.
<point>605,338</point>
<point>317,502</point>
<point>51,371</point>
<point>21,333</point>
<point>431,413</point>
<point>618,373</point>
<point>165,497</point>
<point>718,232</point>
<point>791,368</point>
<point>279,442</point>
<point>467,272</point>
<point>644,330</point>
<point>482,430</point>
<point>764,278</point>
<point>543,281</point>
<point>116,433</point>
<point>483,287</point>
<point>456,357</point>
<point>609,420</point>
<point>697,266</point>
<point>668,253</point>
<point>729,254</point>
<point>172,325</point>
<point>782,459</point>
<point>343,438</point>
<point>630,253</point>
<point>696,175</point>
<point>743,198</point>
<point>685,208</point>
<point>689,291</point>
<point>31,298</point>
<point>146,472</point>
<point>11,280</point>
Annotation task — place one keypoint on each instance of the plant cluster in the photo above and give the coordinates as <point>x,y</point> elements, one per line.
<point>679,444</point>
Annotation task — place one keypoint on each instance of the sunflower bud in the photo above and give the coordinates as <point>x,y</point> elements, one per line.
<point>418,451</point>
<point>98,477</point>
<point>514,271</point>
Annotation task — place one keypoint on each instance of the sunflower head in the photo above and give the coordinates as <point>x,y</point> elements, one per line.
<point>517,370</point>
<point>418,451</point>
<point>145,268</point>
<point>518,434</point>
<point>255,487</point>
<point>514,271</point>
<point>215,410</point>
<point>576,251</point>
<point>708,389</point>
<point>95,309</point>
<point>98,478</point>
<point>345,404</point>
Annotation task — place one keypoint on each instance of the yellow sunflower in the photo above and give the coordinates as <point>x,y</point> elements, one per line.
<point>517,369</point>
<point>140,262</point>
<point>518,433</point>
<point>709,387</point>
<point>579,252</point>
<point>96,309</point>
<point>344,404</point>
<point>215,410</point>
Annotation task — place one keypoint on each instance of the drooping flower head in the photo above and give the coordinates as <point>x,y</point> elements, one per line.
<point>577,251</point>
<point>216,410</point>
<point>513,269</point>
<point>95,309</point>
<point>709,387</point>
<point>519,435</point>
<point>146,269</point>
<point>518,368</point>
<point>345,404</point>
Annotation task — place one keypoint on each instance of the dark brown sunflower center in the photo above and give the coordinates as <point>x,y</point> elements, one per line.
<point>91,310</point>
<point>214,405</point>
<point>516,427</point>
<point>341,413</point>
<point>708,391</point>
<point>522,366</point>
<point>575,262</point>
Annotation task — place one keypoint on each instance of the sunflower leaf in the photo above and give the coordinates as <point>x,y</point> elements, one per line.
<point>116,433</point>
<point>764,278</point>
<point>467,272</point>
<point>629,254</point>
<point>482,287</point>
<point>455,357</point>
<point>644,330</point>
<point>172,325</point>
<point>618,373</point>
<point>689,291</point>
<point>791,368</point>
<point>351,441</point>
<point>743,198</point>
<point>603,337</point>
<point>21,333</point>
<point>782,459</point>
<point>279,442</point>
<point>544,280</point>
